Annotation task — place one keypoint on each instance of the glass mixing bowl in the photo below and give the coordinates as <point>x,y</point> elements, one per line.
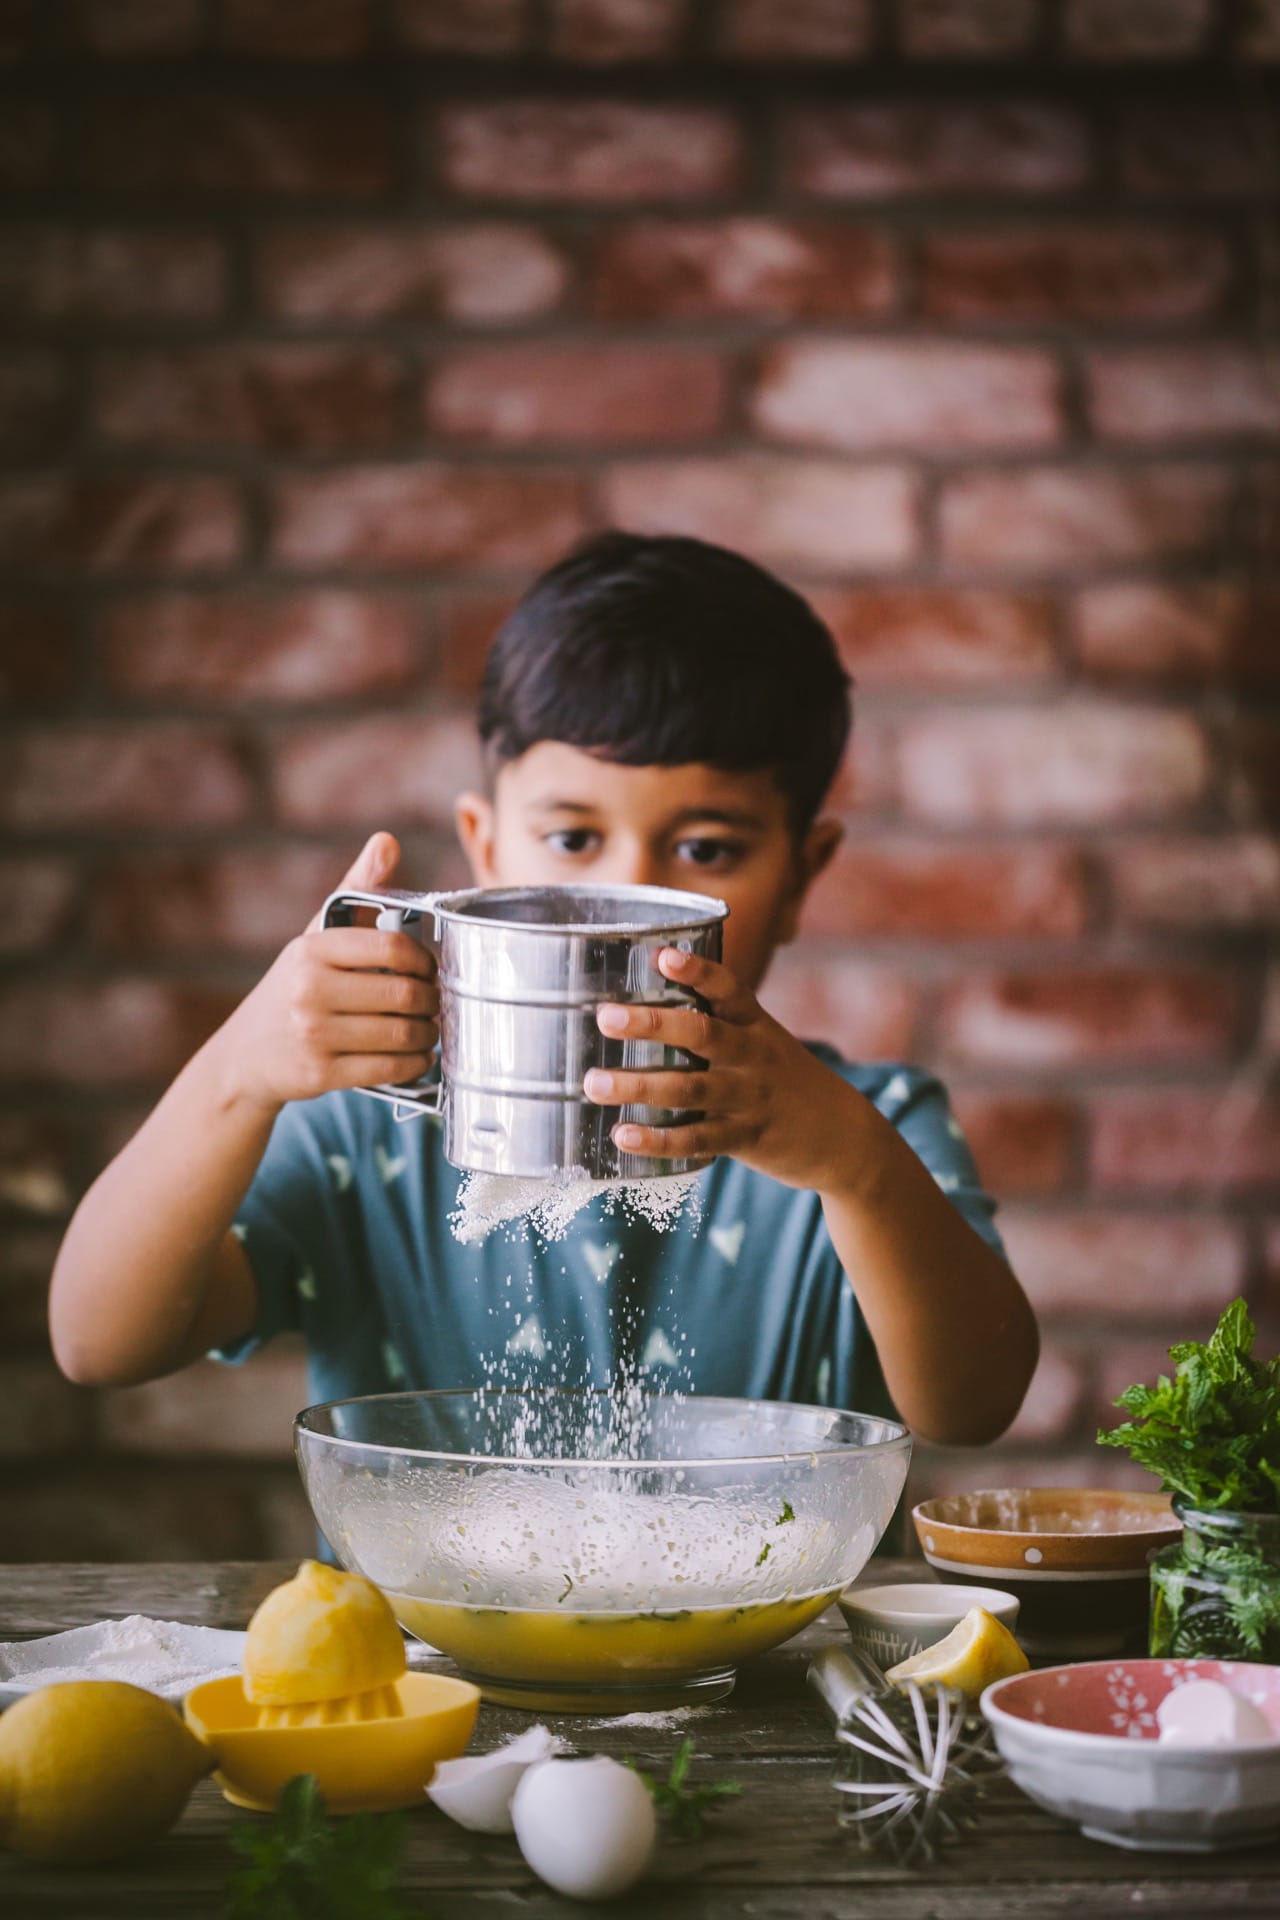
<point>578,1551</point>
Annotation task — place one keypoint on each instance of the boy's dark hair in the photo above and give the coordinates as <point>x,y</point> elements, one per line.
<point>662,651</point>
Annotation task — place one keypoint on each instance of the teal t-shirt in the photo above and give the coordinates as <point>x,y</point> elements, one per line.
<point>346,1227</point>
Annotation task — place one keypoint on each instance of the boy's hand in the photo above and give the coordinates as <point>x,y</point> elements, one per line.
<point>763,1097</point>
<point>341,1007</point>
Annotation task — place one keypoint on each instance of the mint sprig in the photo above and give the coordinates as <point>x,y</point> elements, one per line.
<point>685,1808</point>
<point>1212,1429</point>
<point>301,1865</point>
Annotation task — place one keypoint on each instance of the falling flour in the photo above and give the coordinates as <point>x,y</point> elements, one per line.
<point>490,1200</point>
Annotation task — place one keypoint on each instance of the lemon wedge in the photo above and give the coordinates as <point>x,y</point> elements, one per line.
<point>324,1637</point>
<point>973,1654</point>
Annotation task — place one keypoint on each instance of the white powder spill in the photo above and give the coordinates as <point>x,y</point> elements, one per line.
<point>490,1200</point>
<point>164,1656</point>
<point>661,1722</point>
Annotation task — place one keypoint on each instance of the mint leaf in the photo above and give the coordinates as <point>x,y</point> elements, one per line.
<point>304,1866</point>
<point>685,1808</point>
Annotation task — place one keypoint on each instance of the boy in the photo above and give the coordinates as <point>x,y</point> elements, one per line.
<point>655,711</point>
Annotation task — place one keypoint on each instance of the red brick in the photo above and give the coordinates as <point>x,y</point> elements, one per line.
<point>1203,632</point>
<point>108,774</point>
<point>1216,1143</point>
<point>210,1409</point>
<point>1054,1399</point>
<point>124,1510</point>
<point>1137,29</point>
<point>751,268</point>
<point>283,399</point>
<point>906,889</point>
<point>1254,759</point>
<point>1043,518</point>
<point>1189,151</point>
<point>207,142</point>
<point>1258,30</point>
<point>37,655</point>
<point>40,895</point>
<point>1126,1266</point>
<point>17,27</point>
<point>36,408</point>
<point>1094,1015</point>
<point>939,636</point>
<point>1212,881</point>
<point>242,646</point>
<point>923,147</point>
<point>1023,1144</point>
<point>296,29</point>
<point>38,1172</point>
<point>481,26</point>
<point>967,29</point>
<point>797,29</point>
<point>29,144</point>
<point>600,152</point>
<point>81,1033</point>
<point>247,902</point>
<point>868,1012</point>
<point>415,516</point>
<point>865,781</point>
<point>466,623</point>
<point>871,396</point>
<point>590,395</point>
<point>104,523</point>
<point>382,772</point>
<point>1117,273</point>
<point>41,1413</point>
<point>1076,761</point>
<point>59,273</point>
<point>129,27</point>
<point>27,1255</point>
<point>482,273</point>
<point>806,513</point>
<point>602,32</point>
<point>1171,393</point>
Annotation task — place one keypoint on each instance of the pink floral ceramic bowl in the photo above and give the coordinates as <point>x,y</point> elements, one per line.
<point>1083,1742</point>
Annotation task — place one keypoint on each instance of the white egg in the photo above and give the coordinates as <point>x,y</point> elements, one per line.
<point>1205,1713</point>
<point>586,1827</point>
<point>476,1791</point>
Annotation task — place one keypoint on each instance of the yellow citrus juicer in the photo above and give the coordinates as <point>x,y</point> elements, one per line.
<point>325,1691</point>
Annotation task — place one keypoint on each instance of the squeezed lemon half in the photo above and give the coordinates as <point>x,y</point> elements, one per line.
<point>973,1654</point>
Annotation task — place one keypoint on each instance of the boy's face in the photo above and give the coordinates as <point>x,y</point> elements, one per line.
<point>560,815</point>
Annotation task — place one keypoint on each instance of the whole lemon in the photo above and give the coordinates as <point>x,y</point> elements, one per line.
<point>92,1769</point>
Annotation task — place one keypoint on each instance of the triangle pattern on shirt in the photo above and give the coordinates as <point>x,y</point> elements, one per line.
<point>658,1351</point>
<point>393,1363</point>
<point>528,1339</point>
<point>897,1089</point>
<point>389,1167</point>
<point>599,1258</point>
<point>728,1240</point>
<point>340,1167</point>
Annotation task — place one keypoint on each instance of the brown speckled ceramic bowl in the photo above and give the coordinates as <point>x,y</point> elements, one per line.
<point>1076,1558</point>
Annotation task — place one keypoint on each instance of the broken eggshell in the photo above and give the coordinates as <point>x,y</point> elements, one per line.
<point>476,1791</point>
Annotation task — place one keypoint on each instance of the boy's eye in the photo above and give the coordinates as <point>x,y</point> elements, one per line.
<point>571,839</point>
<point>703,852</point>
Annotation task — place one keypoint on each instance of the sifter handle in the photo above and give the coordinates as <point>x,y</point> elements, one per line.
<point>398,911</point>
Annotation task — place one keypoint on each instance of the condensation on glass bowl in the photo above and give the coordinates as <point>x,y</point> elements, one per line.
<point>678,1508</point>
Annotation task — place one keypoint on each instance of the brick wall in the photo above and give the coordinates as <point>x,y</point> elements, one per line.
<point>325,323</point>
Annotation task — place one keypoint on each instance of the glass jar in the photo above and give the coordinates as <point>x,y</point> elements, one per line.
<point>1215,1594</point>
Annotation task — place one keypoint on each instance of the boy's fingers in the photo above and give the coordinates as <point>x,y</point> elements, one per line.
<point>411,996</point>
<point>695,1092</point>
<point>722,990</point>
<point>707,1035</point>
<point>359,1033</point>
<point>373,866</point>
<point>366,949</point>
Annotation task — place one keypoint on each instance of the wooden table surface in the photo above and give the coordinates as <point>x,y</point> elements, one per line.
<point>776,1853</point>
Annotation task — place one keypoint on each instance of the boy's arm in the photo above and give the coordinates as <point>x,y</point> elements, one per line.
<point>149,1275</point>
<point>955,1333</point>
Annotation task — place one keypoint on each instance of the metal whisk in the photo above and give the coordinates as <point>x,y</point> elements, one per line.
<point>911,1760</point>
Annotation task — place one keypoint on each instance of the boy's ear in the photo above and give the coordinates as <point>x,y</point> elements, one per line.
<point>473,817</point>
<point>817,850</point>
